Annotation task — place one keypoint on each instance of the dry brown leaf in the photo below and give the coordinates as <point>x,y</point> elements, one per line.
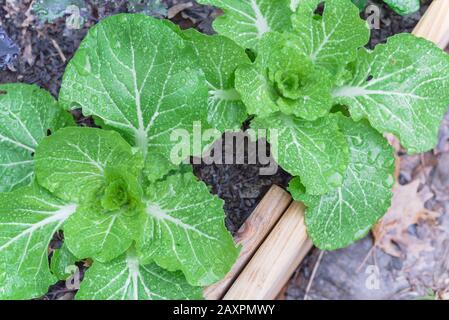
<point>443,295</point>
<point>394,142</point>
<point>27,54</point>
<point>29,18</point>
<point>407,209</point>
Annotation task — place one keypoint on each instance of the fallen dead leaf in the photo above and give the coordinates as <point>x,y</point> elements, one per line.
<point>394,142</point>
<point>392,234</point>
<point>443,295</point>
<point>27,54</point>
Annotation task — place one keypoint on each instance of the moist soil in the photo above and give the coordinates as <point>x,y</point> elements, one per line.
<point>45,49</point>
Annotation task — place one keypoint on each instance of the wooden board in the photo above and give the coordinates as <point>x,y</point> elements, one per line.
<point>251,235</point>
<point>434,25</point>
<point>276,260</point>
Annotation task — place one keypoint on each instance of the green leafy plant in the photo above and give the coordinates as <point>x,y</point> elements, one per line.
<point>152,230</point>
<point>331,100</point>
<point>402,7</point>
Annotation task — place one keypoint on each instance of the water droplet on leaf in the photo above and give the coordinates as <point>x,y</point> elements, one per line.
<point>335,180</point>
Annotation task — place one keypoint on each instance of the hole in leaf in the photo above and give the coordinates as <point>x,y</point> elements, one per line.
<point>48,132</point>
<point>340,108</point>
<point>251,54</point>
<point>369,78</point>
<point>319,10</point>
<point>2,92</point>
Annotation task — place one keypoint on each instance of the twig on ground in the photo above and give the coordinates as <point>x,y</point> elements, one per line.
<point>312,276</point>
<point>58,48</point>
<point>370,252</point>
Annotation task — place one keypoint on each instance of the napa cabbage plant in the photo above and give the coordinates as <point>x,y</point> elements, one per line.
<point>150,228</point>
<point>331,100</point>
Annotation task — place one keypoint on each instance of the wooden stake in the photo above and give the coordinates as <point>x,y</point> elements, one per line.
<point>276,260</point>
<point>251,235</point>
<point>434,25</point>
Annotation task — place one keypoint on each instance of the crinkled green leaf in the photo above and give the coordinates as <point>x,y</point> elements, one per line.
<point>156,167</point>
<point>100,170</point>
<point>26,114</point>
<point>73,163</point>
<point>61,262</point>
<point>255,90</point>
<point>246,21</point>
<point>185,230</point>
<point>103,236</point>
<point>296,188</point>
<point>342,216</point>
<point>404,7</point>
<point>125,278</point>
<point>316,151</point>
<point>219,57</point>
<point>29,217</point>
<point>283,79</point>
<point>401,88</point>
<point>137,75</point>
<point>330,40</point>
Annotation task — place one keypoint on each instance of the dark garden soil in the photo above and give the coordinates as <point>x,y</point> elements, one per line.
<point>45,49</point>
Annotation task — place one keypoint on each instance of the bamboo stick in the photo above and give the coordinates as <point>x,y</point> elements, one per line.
<point>434,25</point>
<point>251,235</point>
<point>276,260</point>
